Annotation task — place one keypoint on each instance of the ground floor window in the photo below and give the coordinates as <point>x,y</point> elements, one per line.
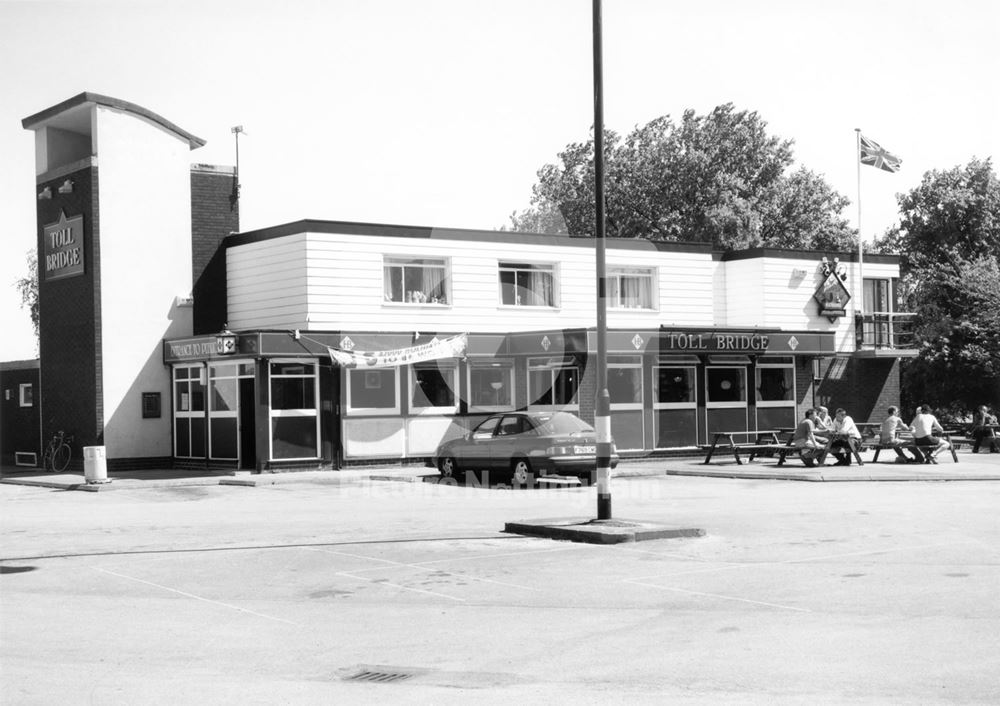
<point>373,391</point>
<point>434,387</point>
<point>775,392</point>
<point>726,401</point>
<point>625,390</point>
<point>675,404</point>
<point>491,386</point>
<point>294,410</point>
<point>553,383</point>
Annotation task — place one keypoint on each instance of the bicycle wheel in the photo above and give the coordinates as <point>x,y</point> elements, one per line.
<point>60,459</point>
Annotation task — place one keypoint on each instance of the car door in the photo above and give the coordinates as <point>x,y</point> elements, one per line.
<point>474,452</point>
<point>512,438</point>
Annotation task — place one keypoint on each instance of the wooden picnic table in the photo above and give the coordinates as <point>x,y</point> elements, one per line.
<point>726,440</point>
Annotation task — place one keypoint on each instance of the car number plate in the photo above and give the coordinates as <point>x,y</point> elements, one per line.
<point>584,449</point>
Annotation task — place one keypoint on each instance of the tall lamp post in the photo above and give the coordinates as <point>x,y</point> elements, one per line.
<point>602,416</point>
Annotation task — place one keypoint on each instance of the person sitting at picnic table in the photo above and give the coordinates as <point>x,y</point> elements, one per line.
<point>924,426</point>
<point>822,420</point>
<point>813,448</point>
<point>889,436</point>
<point>982,431</point>
<point>847,439</point>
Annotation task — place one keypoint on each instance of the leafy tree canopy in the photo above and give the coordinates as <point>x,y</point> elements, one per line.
<point>27,286</point>
<point>949,233</point>
<point>717,178</point>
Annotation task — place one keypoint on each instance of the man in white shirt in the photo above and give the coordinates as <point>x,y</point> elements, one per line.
<point>889,436</point>
<point>925,425</point>
<point>847,440</point>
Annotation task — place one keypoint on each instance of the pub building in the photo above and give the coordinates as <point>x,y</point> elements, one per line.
<point>324,344</point>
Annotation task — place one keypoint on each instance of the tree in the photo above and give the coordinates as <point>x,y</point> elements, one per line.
<point>28,288</point>
<point>949,236</point>
<point>718,178</point>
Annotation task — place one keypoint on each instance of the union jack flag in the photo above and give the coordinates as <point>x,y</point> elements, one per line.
<point>873,154</point>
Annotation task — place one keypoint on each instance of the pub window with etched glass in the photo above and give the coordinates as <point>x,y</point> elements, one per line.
<point>416,281</point>
<point>526,284</point>
<point>630,288</point>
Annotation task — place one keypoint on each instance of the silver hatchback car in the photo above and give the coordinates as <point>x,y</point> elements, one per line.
<point>519,446</point>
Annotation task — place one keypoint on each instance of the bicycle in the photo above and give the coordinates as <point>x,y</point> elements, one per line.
<point>57,453</point>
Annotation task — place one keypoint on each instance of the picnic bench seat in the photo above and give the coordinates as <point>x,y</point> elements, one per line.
<point>765,443</point>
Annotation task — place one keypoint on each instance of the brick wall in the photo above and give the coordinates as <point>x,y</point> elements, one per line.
<point>70,321</point>
<point>215,213</point>
<point>18,425</point>
<point>865,387</point>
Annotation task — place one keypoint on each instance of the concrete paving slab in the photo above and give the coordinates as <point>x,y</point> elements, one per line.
<point>591,531</point>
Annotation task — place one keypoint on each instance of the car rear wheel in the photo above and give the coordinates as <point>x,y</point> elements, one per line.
<point>448,467</point>
<point>520,471</point>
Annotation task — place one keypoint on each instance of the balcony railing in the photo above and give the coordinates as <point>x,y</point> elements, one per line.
<point>885,331</point>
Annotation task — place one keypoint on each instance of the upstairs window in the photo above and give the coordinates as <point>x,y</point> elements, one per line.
<point>523,284</point>
<point>26,394</point>
<point>416,281</point>
<point>630,288</point>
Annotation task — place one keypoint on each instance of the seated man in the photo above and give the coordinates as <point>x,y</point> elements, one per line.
<point>982,432</point>
<point>889,436</point>
<point>848,437</point>
<point>813,448</point>
<point>924,426</point>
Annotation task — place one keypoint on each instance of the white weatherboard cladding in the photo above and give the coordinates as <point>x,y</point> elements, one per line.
<point>744,295</point>
<point>266,284</point>
<point>333,281</point>
<point>329,281</point>
<point>145,231</point>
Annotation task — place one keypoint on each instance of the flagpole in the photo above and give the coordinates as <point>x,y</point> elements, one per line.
<point>860,285</point>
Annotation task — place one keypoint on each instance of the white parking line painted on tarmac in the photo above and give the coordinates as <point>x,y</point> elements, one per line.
<point>399,586</point>
<point>500,556</point>
<point>717,595</point>
<point>198,598</point>
<point>417,567</point>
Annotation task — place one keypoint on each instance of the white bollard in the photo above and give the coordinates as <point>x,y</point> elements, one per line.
<point>95,464</point>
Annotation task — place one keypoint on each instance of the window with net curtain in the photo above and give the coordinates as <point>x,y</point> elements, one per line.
<point>630,288</point>
<point>525,284</point>
<point>415,280</point>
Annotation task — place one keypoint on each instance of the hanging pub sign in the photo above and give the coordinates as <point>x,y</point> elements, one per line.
<point>832,295</point>
<point>62,248</point>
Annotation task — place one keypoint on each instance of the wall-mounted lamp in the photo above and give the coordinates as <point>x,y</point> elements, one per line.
<point>225,341</point>
<point>45,193</point>
<point>66,187</point>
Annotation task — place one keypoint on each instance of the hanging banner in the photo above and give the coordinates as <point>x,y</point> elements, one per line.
<point>453,347</point>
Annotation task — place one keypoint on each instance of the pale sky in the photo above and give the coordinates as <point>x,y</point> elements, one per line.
<point>440,112</point>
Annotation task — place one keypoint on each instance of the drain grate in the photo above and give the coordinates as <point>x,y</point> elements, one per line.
<point>369,675</point>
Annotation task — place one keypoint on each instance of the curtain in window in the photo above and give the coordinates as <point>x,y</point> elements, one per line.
<point>631,288</point>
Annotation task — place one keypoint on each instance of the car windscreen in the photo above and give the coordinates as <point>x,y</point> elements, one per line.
<point>562,424</point>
